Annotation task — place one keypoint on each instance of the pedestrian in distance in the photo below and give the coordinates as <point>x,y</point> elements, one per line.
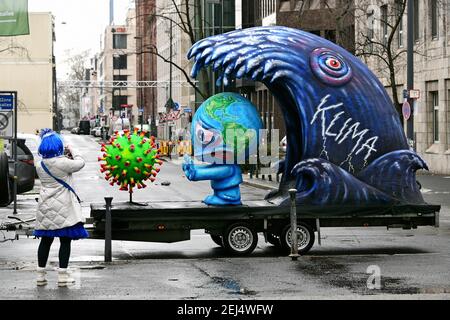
<point>59,210</point>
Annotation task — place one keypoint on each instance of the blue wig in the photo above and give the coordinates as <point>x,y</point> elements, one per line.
<point>51,144</point>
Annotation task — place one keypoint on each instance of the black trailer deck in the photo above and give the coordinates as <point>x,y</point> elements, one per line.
<point>169,221</point>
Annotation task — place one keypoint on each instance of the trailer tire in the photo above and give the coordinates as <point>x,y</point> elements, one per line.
<point>240,239</point>
<point>305,241</point>
<point>217,240</point>
<point>5,197</point>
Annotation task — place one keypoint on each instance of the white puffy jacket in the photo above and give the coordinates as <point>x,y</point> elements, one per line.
<point>58,207</point>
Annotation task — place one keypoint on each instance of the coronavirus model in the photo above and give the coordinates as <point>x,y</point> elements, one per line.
<point>225,130</point>
<point>345,142</point>
<point>129,160</point>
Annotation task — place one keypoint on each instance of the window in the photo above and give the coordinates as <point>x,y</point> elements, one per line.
<point>330,35</point>
<point>434,19</point>
<point>118,101</point>
<point>416,20</point>
<point>384,23</point>
<point>119,41</point>
<point>120,78</point>
<point>435,109</point>
<point>120,62</point>
<point>399,15</point>
<point>370,27</point>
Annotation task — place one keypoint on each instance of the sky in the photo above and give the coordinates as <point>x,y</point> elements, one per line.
<point>78,24</point>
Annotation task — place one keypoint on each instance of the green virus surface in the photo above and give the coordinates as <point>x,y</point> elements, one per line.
<point>129,160</point>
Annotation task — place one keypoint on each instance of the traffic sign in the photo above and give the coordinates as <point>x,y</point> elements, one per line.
<point>406,110</point>
<point>6,124</point>
<point>6,101</point>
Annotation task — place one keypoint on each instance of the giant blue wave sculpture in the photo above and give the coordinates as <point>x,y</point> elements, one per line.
<point>345,142</point>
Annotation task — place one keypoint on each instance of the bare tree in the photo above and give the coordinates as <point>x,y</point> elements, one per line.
<point>185,15</point>
<point>69,98</point>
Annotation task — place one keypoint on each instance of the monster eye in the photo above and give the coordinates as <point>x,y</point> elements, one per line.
<point>330,67</point>
<point>333,63</point>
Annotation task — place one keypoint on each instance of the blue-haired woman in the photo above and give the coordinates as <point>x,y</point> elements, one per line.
<point>59,211</point>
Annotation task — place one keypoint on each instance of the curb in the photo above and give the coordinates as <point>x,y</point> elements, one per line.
<point>259,185</point>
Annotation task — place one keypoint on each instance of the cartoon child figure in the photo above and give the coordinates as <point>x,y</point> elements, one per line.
<point>225,131</point>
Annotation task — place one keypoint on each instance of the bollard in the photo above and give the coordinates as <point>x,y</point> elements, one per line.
<point>108,231</point>
<point>294,237</point>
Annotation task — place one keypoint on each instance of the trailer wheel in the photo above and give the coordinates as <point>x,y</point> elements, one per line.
<point>5,196</point>
<point>305,241</point>
<point>240,239</point>
<point>217,240</point>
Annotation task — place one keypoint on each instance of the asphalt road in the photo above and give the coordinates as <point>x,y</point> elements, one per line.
<point>412,263</point>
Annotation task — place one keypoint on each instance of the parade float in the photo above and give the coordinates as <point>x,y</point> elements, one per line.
<point>348,163</point>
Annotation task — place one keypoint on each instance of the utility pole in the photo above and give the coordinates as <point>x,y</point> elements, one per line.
<point>170,80</point>
<point>410,69</point>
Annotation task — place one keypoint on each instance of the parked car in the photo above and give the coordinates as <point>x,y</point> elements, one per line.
<point>94,130</point>
<point>98,132</point>
<point>26,171</point>
<point>75,130</point>
<point>85,127</point>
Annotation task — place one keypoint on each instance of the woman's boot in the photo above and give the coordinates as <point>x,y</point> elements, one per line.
<point>41,280</point>
<point>64,278</point>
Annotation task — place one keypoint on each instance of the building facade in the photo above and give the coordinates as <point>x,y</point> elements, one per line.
<point>431,72</point>
<point>117,62</point>
<point>173,123</point>
<point>146,62</point>
<point>29,69</point>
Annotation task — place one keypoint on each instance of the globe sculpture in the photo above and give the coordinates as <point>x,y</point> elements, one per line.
<point>129,160</point>
<point>225,131</point>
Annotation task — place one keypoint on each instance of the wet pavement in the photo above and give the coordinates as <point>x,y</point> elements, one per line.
<point>413,264</point>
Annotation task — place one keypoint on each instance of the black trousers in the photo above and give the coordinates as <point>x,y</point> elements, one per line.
<point>44,250</point>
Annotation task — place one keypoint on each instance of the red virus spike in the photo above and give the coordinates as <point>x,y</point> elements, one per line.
<point>118,146</point>
<point>116,132</point>
<point>152,179</point>
<point>112,183</point>
<point>124,173</point>
<point>132,182</point>
<point>132,147</point>
<point>103,150</point>
<point>157,170</point>
<point>101,159</point>
<point>159,162</point>
<point>139,159</point>
<point>127,163</point>
<point>157,156</point>
<point>136,130</point>
<point>148,166</point>
<point>102,170</point>
<point>147,174</point>
<point>137,170</point>
<point>118,157</point>
<point>154,173</point>
<point>139,186</point>
<point>143,185</point>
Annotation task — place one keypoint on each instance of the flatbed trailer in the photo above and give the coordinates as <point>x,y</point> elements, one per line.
<point>236,228</point>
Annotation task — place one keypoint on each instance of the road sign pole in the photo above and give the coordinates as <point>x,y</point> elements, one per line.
<point>15,153</point>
